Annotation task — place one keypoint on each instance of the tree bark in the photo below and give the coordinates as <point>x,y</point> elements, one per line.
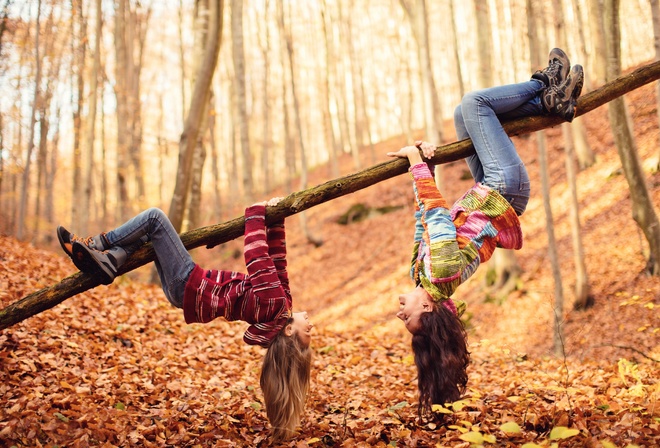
<point>484,44</point>
<point>583,299</point>
<point>417,15</point>
<point>643,210</point>
<point>558,302</point>
<point>238,56</point>
<point>328,128</point>
<point>35,104</point>
<point>655,14</point>
<point>211,236</point>
<point>88,153</point>
<point>570,133</point>
<point>193,121</point>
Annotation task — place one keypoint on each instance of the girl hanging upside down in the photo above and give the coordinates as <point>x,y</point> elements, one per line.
<point>451,243</point>
<point>261,297</point>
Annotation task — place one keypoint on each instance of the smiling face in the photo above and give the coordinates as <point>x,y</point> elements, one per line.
<point>411,307</point>
<point>301,326</point>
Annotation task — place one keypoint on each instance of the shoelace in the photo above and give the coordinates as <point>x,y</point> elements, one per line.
<point>553,70</point>
<point>87,241</point>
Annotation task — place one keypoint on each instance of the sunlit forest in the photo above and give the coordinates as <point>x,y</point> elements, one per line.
<point>97,94</point>
<point>204,107</point>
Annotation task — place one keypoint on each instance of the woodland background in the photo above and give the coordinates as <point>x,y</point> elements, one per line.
<point>303,92</point>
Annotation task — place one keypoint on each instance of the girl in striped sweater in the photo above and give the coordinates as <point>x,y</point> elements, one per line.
<point>451,242</point>
<point>261,297</point>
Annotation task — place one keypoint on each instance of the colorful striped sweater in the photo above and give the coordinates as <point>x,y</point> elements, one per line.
<point>451,243</point>
<point>261,298</point>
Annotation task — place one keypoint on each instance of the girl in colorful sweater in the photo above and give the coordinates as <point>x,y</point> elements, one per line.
<point>261,297</point>
<point>451,243</point>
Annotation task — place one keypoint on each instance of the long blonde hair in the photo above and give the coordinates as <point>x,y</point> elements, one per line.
<point>285,376</point>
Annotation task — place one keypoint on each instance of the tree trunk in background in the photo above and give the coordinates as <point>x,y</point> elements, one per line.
<point>328,128</point>
<point>288,43</point>
<point>199,157</point>
<point>642,206</point>
<point>266,166</point>
<point>457,56</point>
<point>130,33</point>
<point>417,15</point>
<point>51,171</point>
<point>103,173</point>
<point>353,62</point>
<point>558,303</point>
<point>289,151</point>
<point>350,140</point>
<point>41,166</point>
<point>195,116</point>
<point>233,159</point>
<point>585,155</point>
<point>88,153</point>
<point>79,45</point>
<point>121,94</point>
<point>655,13</point>
<point>139,23</point>
<point>130,36</point>
<point>215,165</point>
<point>582,297</point>
<point>503,274</point>
<point>182,61</point>
<point>238,56</point>
<point>597,31</point>
<point>484,44</point>
<point>30,144</point>
<point>53,48</point>
<point>582,149</point>
<point>195,206</point>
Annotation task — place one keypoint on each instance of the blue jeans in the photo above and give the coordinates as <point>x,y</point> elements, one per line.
<point>496,162</point>
<point>173,261</point>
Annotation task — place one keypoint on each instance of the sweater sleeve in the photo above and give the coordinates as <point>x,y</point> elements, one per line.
<point>276,238</point>
<point>262,272</point>
<point>445,259</point>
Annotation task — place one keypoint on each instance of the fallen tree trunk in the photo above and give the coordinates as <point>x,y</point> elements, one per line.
<point>211,236</point>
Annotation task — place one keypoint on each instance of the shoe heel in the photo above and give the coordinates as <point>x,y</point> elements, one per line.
<point>92,263</point>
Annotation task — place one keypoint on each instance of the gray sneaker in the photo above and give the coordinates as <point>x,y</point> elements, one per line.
<point>562,99</point>
<point>103,264</point>
<point>557,70</point>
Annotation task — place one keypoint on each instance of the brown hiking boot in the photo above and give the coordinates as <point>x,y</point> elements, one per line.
<point>562,99</point>
<point>557,70</point>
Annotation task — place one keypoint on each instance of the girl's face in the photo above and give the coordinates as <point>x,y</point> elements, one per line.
<point>411,307</point>
<point>302,326</point>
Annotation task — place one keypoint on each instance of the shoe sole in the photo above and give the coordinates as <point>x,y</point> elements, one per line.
<point>89,264</point>
<point>558,53</point>
<point>575,94</point>
<point>67,247</point>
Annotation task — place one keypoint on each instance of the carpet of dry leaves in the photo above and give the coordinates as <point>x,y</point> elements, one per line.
<point>117,365</point>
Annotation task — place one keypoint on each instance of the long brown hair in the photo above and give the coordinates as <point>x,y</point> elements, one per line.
<point>441,356</point>
<point>285,377</point>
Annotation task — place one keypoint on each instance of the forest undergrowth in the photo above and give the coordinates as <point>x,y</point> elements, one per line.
<point>118,366</point>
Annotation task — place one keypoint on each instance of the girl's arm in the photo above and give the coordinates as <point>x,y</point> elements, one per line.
<point>433,214</point>
<point>260,266</point>
<point>276,239</point>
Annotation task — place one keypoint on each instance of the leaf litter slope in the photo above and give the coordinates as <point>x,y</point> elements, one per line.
<point>117,366</point>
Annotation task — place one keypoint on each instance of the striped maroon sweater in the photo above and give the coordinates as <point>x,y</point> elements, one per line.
<point>261,297</point>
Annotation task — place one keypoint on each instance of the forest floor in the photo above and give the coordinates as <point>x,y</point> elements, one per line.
<point>117,365</point>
